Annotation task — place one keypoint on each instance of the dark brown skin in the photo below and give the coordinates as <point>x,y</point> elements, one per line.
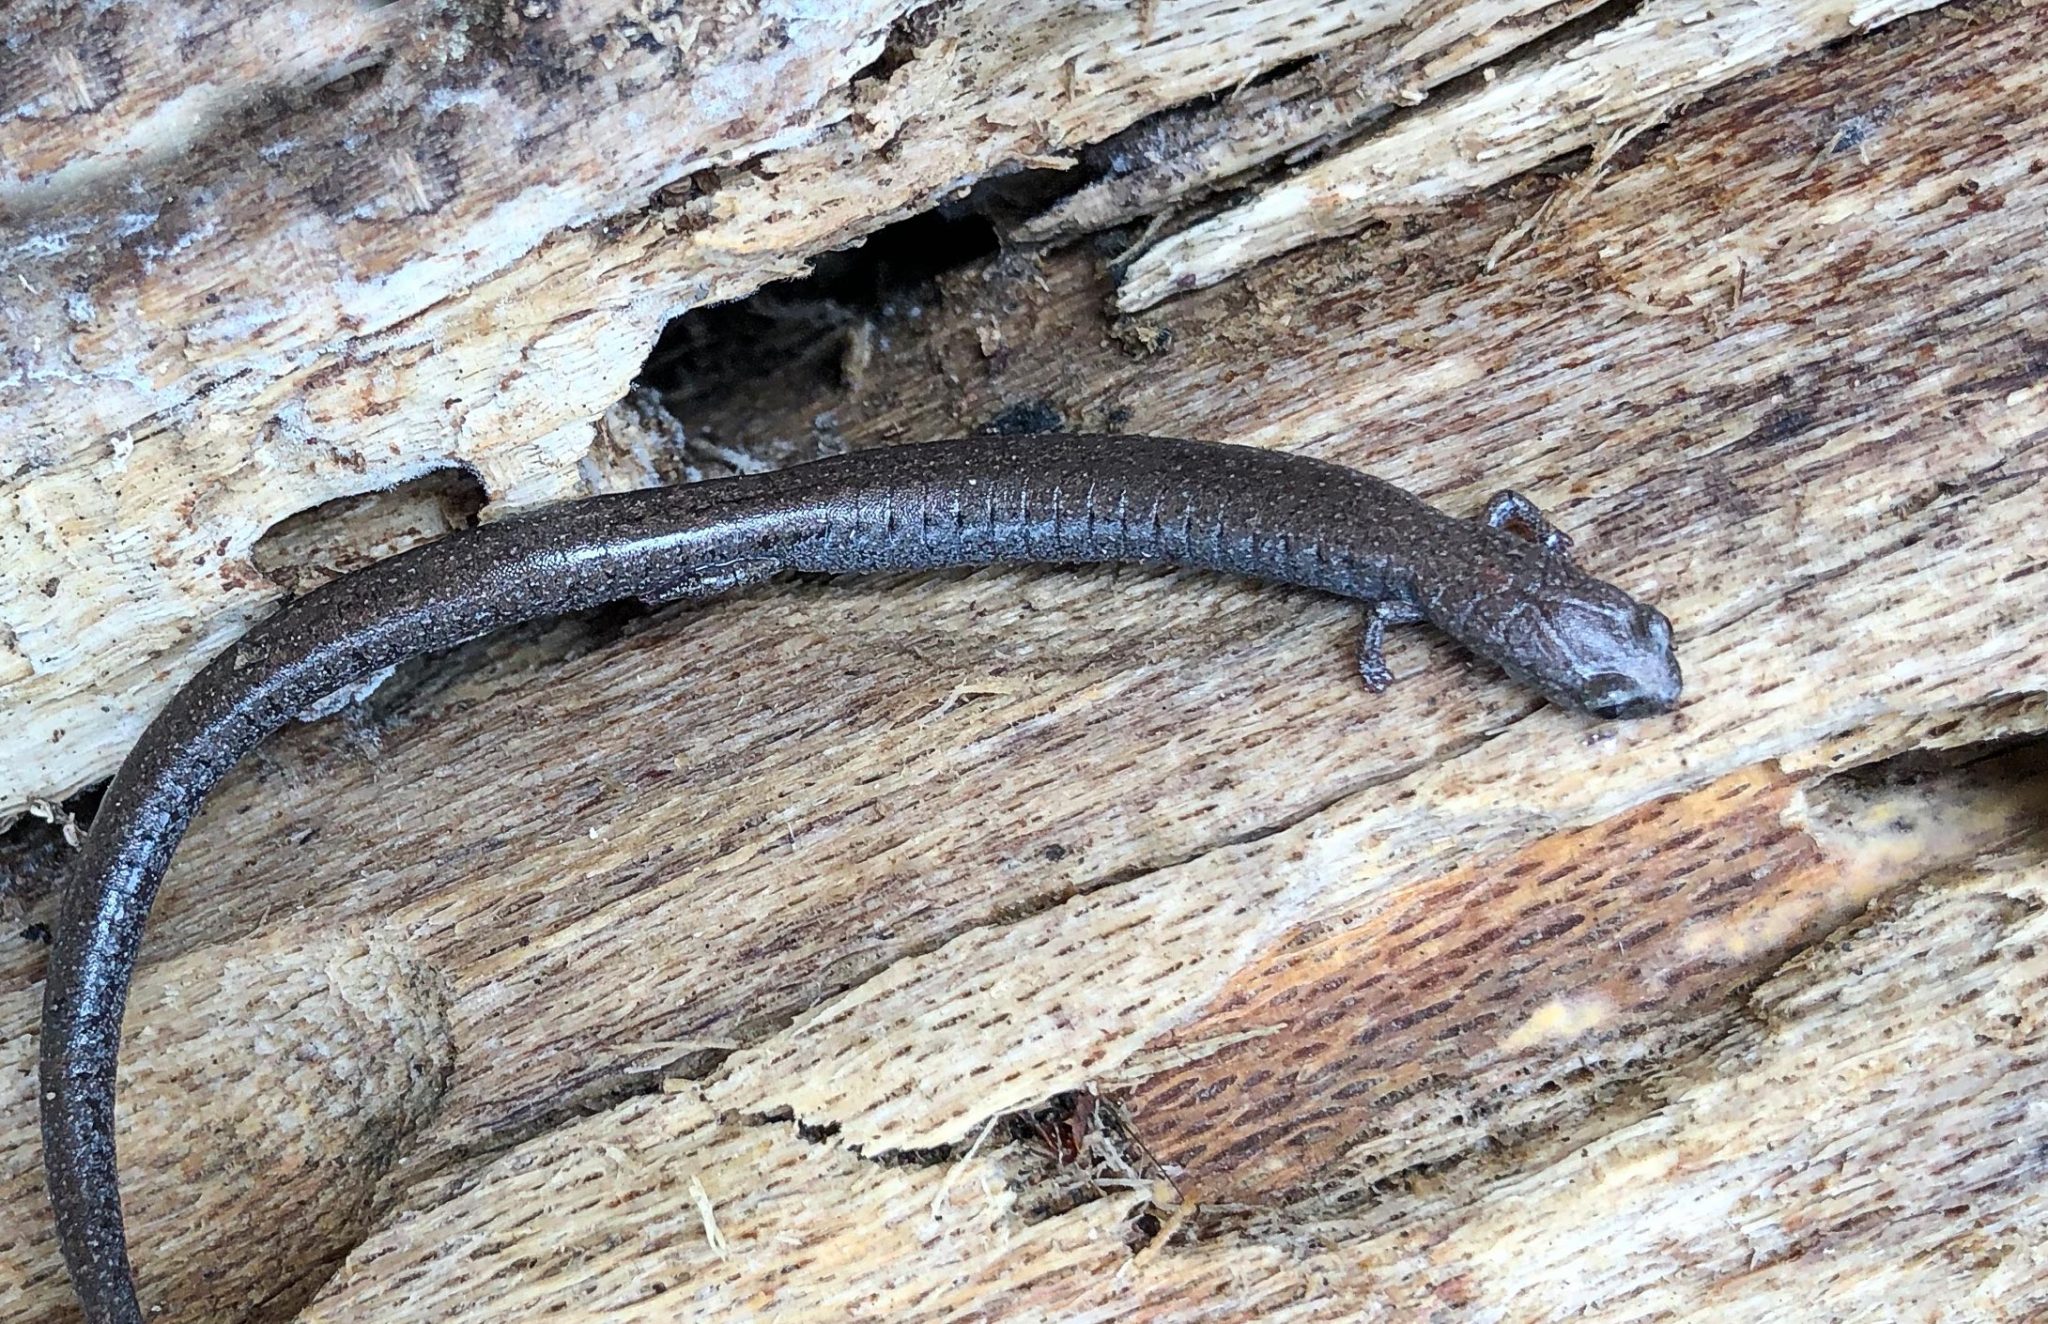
<point>1501,585</point>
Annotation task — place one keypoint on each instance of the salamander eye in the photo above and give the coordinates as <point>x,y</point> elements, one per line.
<point>1649,626</point>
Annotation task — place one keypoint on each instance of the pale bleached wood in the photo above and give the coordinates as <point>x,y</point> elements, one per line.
<point>1185,155</point>
<point>96,93</point>
<point>1862,1147</point>
<point>1803,411</point>
<point>343,1037</point>
<point>614,1230</point>
<point>1612,84</point>
<point>456,256</point>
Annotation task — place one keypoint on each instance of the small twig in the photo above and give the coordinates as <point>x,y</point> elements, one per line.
<point>60,818</point>
<point>1143,241</point>
<point>1567,200</point>
<point>702,1199</point>
<point>995,687</point>
<point>953,1173</point>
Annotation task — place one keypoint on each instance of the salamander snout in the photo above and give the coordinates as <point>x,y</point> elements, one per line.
<point>1625,667</point>
<point>1584,643</point>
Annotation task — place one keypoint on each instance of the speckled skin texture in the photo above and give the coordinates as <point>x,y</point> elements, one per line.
<point>1516,600</point>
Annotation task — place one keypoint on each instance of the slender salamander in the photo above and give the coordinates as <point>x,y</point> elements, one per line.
<point>1501,585</point>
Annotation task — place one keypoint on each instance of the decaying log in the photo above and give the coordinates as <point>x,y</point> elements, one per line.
<point>1063,943</point>
<point>447,244</point>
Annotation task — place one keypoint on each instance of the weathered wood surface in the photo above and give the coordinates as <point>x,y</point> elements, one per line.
<point>250,274</point>
<point>1436,1002</point>
<point>446,241</point>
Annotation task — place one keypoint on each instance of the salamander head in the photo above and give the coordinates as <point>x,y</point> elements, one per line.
<point>1582,642</point>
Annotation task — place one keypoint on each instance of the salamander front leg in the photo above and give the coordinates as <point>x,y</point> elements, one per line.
<point>1518,514</point>
<point>1371,664</point>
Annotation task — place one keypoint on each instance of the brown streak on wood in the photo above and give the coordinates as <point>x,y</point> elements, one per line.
<point>1497,1002</point>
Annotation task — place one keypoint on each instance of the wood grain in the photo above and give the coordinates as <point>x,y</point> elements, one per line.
<point>1432,1003</point>
<point>1485,1015</point>
<point>1612,85</point>
<point>341,1044</point>
<point>1788,1177</point>
<point>448,244</point>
